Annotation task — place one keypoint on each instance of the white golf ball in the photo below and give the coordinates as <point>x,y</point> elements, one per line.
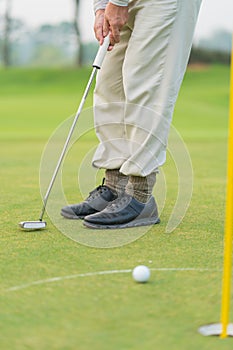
<point>141,273</point>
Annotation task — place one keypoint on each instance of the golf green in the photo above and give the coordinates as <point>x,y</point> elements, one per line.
<point>61,292</point>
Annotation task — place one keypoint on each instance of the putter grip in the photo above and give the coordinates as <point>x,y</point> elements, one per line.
<point>101,53</point>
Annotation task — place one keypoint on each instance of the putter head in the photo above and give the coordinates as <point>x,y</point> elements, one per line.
<point>32,225</point>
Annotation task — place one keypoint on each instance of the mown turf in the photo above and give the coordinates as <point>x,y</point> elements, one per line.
<point>109,311</point>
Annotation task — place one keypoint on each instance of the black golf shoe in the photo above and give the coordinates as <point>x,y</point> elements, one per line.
<point>97,200</point>
<point>124,212</point>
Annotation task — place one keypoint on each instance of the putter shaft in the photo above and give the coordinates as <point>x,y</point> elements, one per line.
<point>96,65</point>
<point>45,200</point>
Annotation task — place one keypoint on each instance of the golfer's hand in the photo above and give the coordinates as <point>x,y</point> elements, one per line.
<point>110,21</point>
<point>98,26</point>
<point>115,17</point>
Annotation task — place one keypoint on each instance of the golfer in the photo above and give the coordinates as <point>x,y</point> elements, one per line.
<point>136,91</point>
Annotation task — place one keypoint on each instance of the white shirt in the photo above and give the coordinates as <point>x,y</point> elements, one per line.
<point>101,4</point>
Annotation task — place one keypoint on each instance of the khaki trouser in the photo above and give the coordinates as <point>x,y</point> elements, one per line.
<point>138,84</point>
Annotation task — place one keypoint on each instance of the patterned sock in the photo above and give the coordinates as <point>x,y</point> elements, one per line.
<point>141,187</point>
<point>116,180</point>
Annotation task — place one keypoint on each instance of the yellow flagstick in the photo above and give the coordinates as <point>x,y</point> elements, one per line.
<point>227,267</point>
<point>225,328</point>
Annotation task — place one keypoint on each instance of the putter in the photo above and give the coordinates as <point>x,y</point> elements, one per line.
<point>40,224</point>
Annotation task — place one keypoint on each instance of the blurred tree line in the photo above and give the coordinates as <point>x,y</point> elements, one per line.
<point>47,45</point>
<point>214,49</point>
<point>61,44</point>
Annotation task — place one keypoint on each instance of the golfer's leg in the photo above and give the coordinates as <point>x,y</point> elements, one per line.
<point>109,104</point>
<point>154,66</point>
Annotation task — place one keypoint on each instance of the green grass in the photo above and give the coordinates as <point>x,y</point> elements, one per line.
<point>109,311</point>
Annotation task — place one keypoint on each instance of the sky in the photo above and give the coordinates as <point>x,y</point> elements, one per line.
<point>214,14</point>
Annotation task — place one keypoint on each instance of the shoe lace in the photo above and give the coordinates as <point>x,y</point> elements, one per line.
<point>98,190</point>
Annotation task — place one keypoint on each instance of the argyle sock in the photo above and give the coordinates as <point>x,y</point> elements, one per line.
<point>141,187</point>
<point>116,180</point>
